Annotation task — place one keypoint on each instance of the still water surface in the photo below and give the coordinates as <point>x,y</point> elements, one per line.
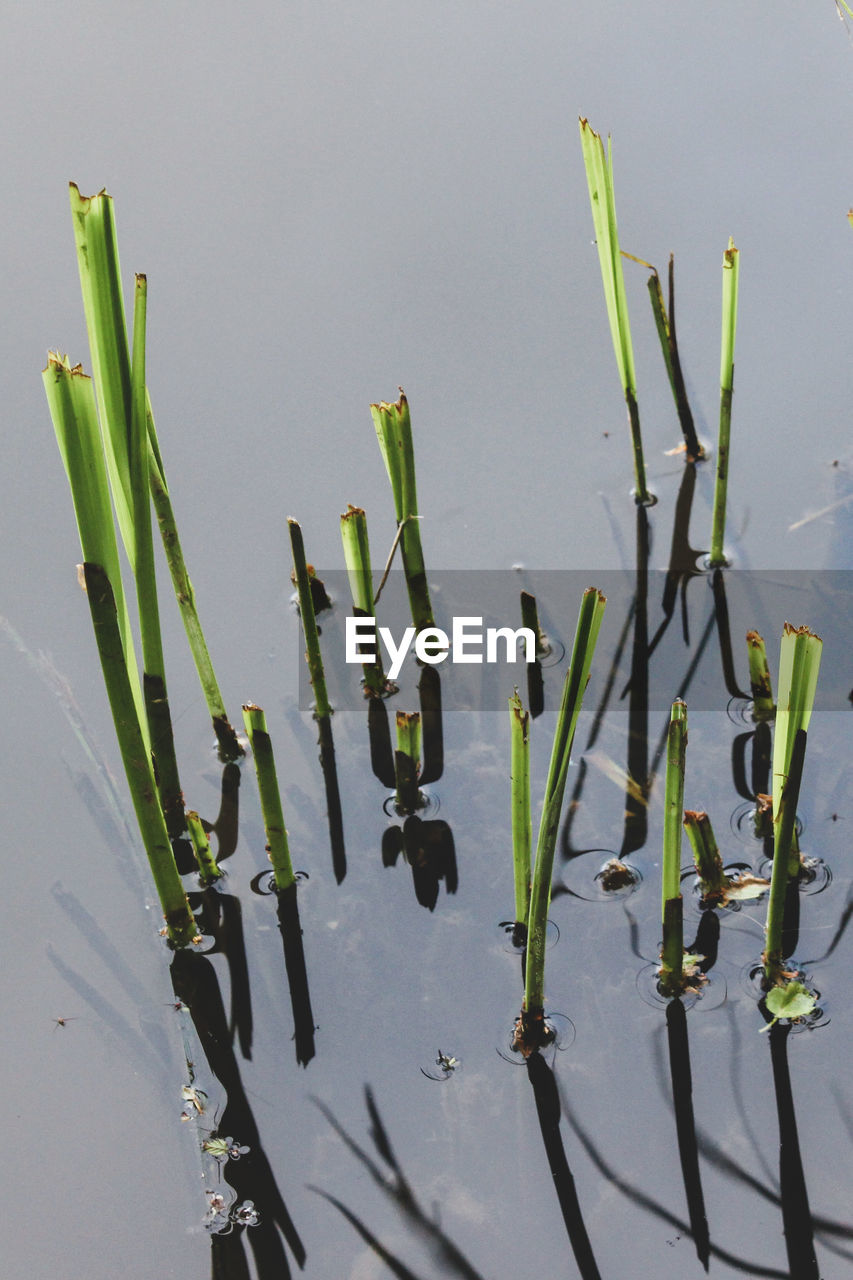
<point>326,205</point>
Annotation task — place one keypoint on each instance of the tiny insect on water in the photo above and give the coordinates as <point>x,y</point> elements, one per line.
<point>446,1064</point>
<point>63,1022</point>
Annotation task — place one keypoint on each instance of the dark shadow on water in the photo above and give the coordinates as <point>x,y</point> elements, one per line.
<point>721,614</point>
<point>221,917</point>
<point>683,560</point>
<point>297,976</point>
<point>447,1258</point>
<point>547,1100</point>
<point>647,1202</point>
<point>430,851</point>
<point>688,1152</point>
<point>796,1215</point>
<point>334,809</point>
<point>226,825</point>
<point>636,809</point>
<point>195,984</point>
<point>381,750</point>
<point>432,730</point>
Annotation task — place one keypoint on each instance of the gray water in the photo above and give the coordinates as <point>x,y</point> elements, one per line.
<point>331,201</point>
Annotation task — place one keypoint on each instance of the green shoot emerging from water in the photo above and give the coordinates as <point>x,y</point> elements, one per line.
<point>672,953</point>
<point>309,622</point>
<point>799,664</point>
<point>759,678</point>
<point>665,323</point>
<point>530,1024</point>
<point>599,176</point>
<point>718,889</point>
<point>519,722</point>
<point>357,559</point>
<point>731,268</point>
<point>407,761</point>
<point>394,431</point>
<point>276,832</point>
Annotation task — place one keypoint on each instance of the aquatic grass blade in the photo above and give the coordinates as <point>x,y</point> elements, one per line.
<point>208,869</point>
<point>519,721</point>
<point>759,678</point>
<point>706,855</point>
<point>229,747</point>
<point>357,560</point>
<point>309,622</point>
<point>574,687</point>
<point>665,324</point>
<point>136,758</point>
<point>731,271</point>
<point>394,432</point>
<point>799,666</point>
<point>672,953</point>
<point>407,761</point>
<point>71,401</point>
<point>599,175</point>
<point>153,664</point>
<point>278,848</point>
<point>93,219</point>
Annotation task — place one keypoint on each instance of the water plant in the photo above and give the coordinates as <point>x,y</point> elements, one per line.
<point>731,269</point>
<point>407,760</point>
<point>672,951</point>
<point>208,869</point>
<point>535,682</point>
<point>136,758</point>
<point>357,559</point>
<point>71,400</point>
<point>322,709</point>
<point>759,678</point>
<point>718,888</point>
<point>599,176</point>
<point>519,737</point>
<point>531,1029</point>
<point>394,432</point>
<point>276,832</point>
<point>665,324</point>
<point>799,665</point>
<point>135,466</point>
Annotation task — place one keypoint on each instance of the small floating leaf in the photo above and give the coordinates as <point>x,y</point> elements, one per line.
<point>745,887</point>
<point>793,1000</point>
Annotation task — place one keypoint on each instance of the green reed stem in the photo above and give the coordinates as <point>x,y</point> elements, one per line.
<point>519,725</point>
<point>309,622</point>
<point>394,432</point>
<point>665,324</point>
<point>799,665</point>
<point>229,747</point>
<point>276,832</point>
<point>357,559</point>
<point>731,269</point>
<point>135,756</point>
<point>577,677</point>
<point>154,667</point>
<point>599,175</point>
<point>706,855</point>
<point>71,400</point>
<point>407,760</point>
<point>208,868</point>
<point>672,953</point>
<point>132,462</point>
<point>530,619</point>
<point>759,678</point>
